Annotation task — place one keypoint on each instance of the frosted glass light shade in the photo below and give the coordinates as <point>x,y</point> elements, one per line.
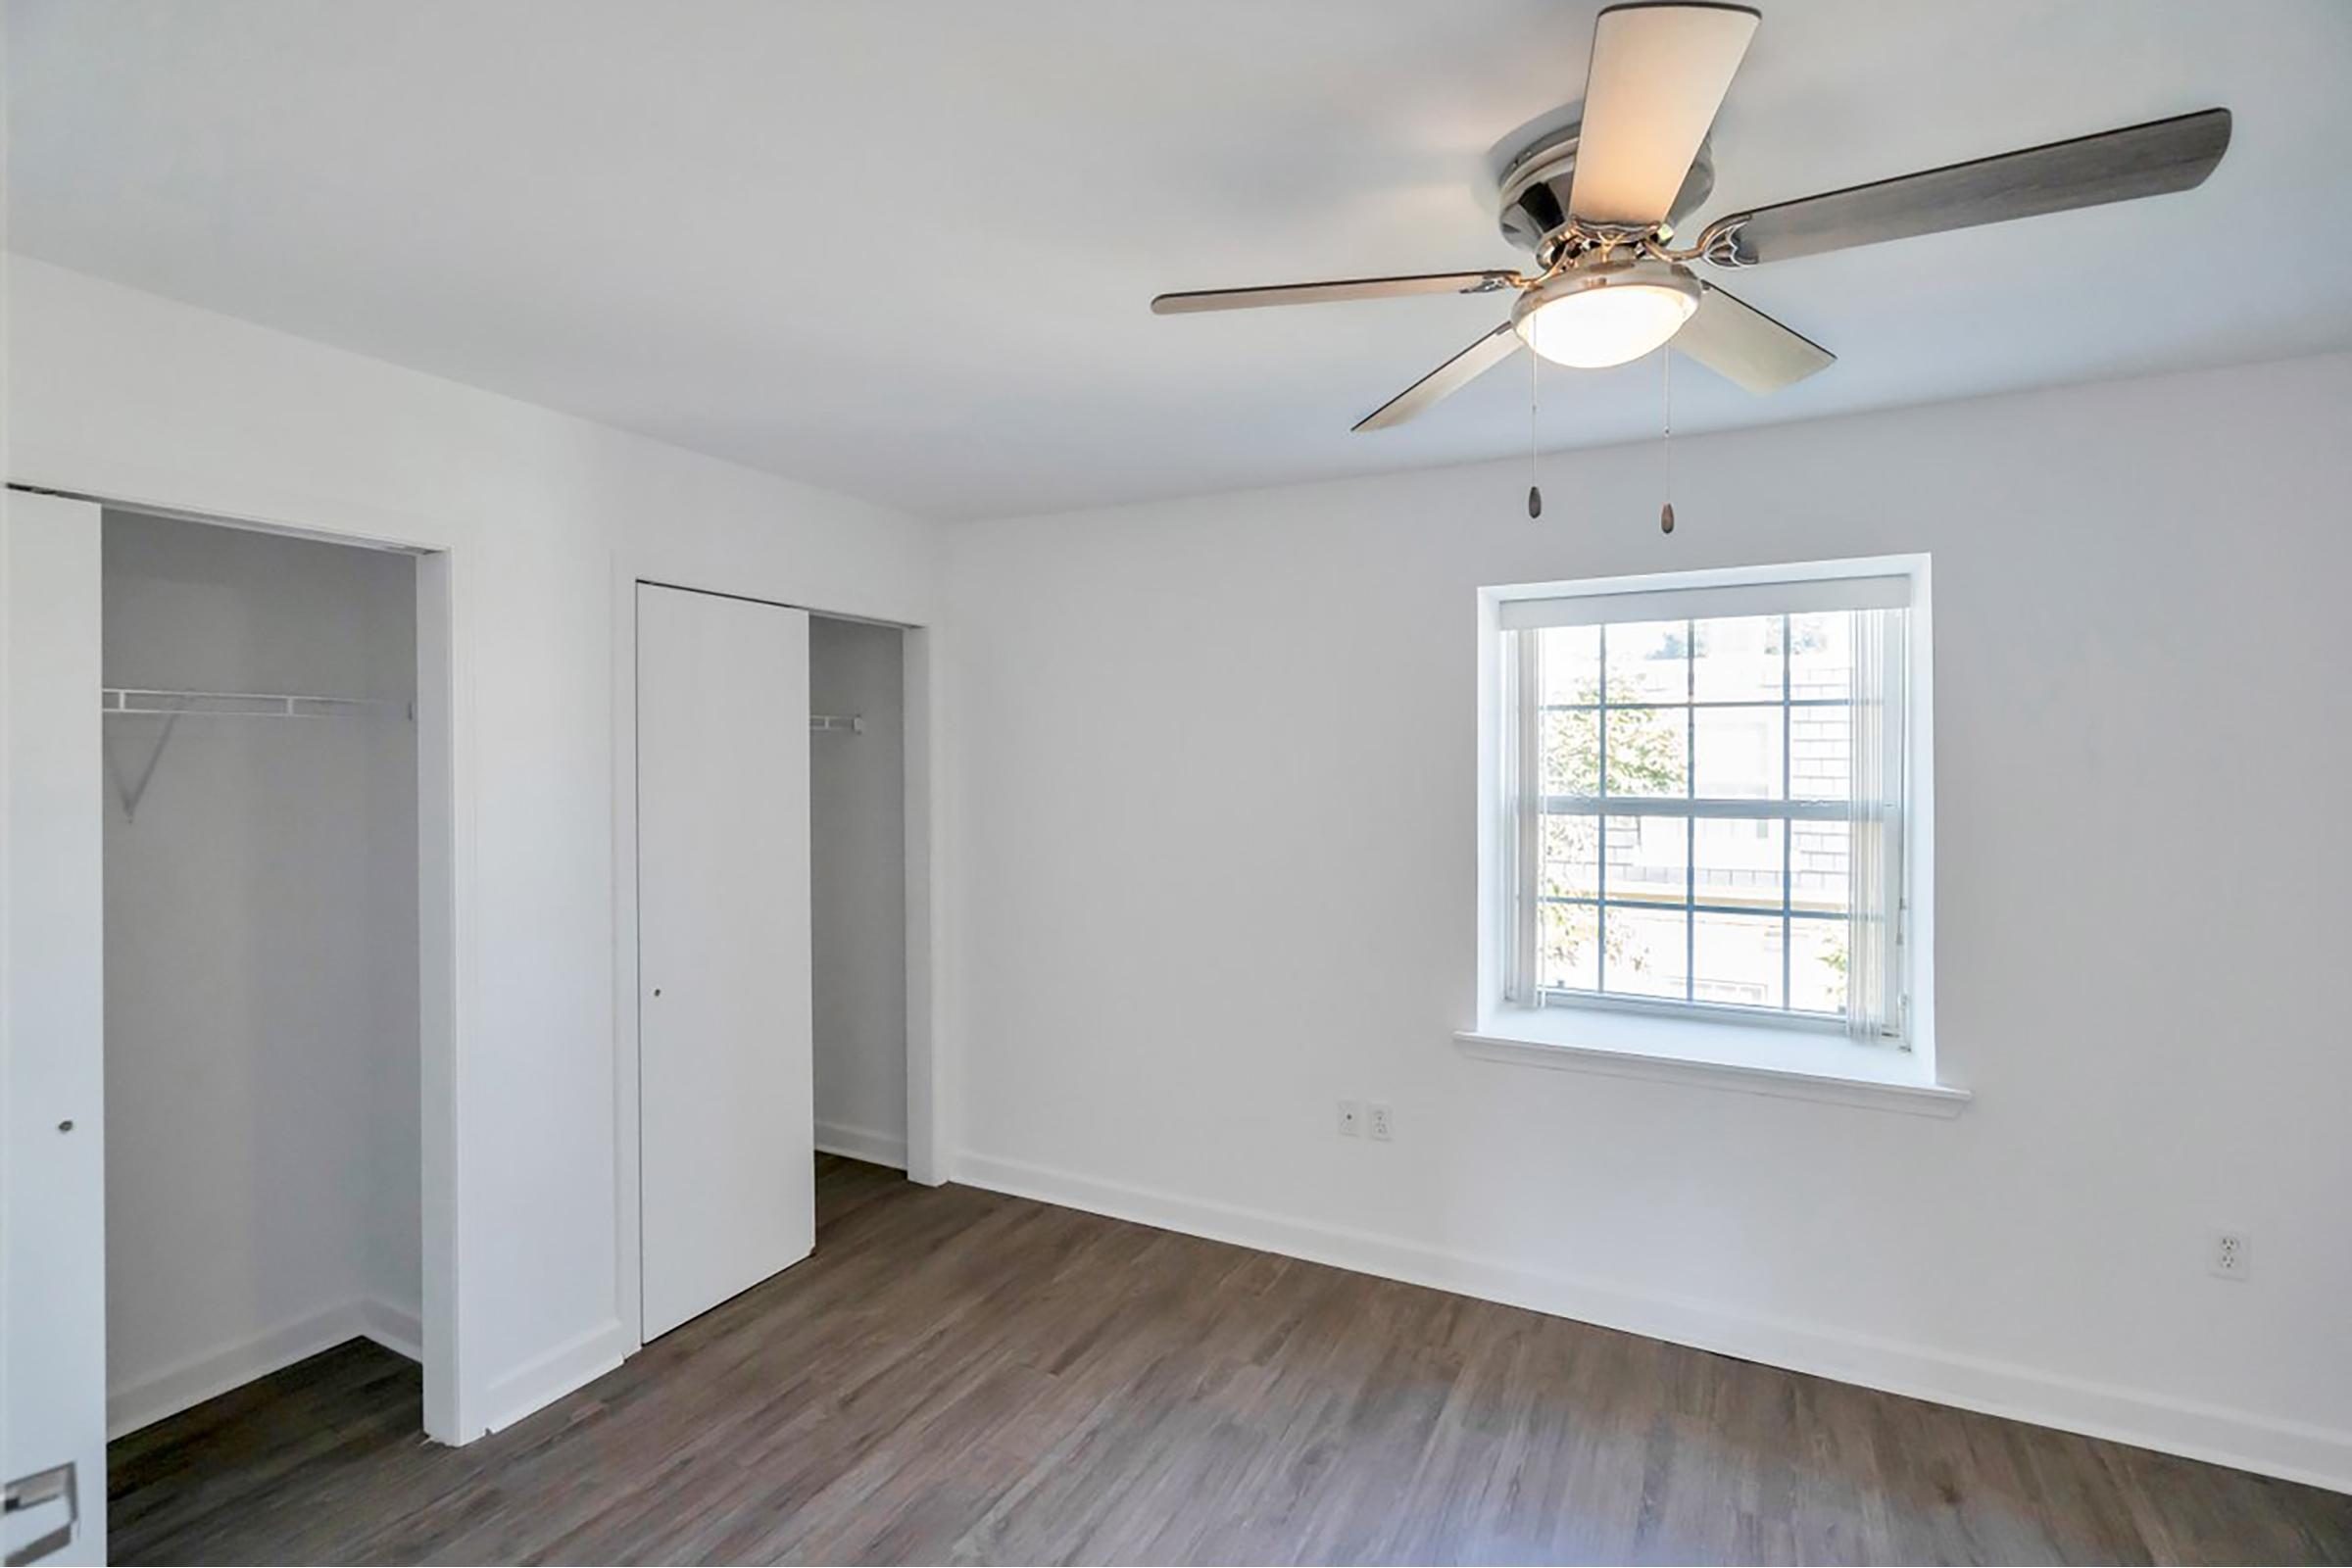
<point>1606,317</point>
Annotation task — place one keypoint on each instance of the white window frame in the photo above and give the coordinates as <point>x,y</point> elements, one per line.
<point>1719,1037</point>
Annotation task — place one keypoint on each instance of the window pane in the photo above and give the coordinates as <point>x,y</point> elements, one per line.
<point>1738,752</point>
<point>1736,660</point>
<point>1818,860</point>
<point>1738,959</point>
<point>1817,965</point>
<point>1569,659</point>
<point>1650,858</point>
<point>1571,752</point>
<point>1571,857</point>
<point>1744,714</point>
<point>1821,745</point>
<point>1821,655</point>
<point>1739,862</point>
<point>1649,750</point>
<point>1648,952</point>
<point>1568,947</point>
<point>1650,661</point>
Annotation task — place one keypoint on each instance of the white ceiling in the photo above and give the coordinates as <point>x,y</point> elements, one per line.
<point>903,249</point>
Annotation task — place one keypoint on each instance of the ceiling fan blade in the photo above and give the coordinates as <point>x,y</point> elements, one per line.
<point>1741,344</point>
<point>1346,288</point>
<point>1446,379</point>
<point>2114,166</point>
<point>1658,74</point>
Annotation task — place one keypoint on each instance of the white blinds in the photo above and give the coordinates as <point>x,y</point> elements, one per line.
<point>1709,603</point>
<point>1874,815</point>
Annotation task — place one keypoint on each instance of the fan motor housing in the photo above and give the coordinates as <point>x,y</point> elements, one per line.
<point>1534,182</point>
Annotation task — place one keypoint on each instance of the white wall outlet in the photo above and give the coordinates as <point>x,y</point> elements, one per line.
<point>1352,1118</point>
<point>2229,1255</point>
<point>1383,1127</point>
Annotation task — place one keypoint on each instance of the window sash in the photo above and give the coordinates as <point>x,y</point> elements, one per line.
<point>1873,914</point>
<point>1702,806</point>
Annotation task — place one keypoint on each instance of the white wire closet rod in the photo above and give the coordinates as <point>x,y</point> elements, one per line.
<point>249,705</point>
<point>297,705</point>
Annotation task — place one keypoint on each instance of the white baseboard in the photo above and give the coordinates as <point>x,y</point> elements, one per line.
<point>2291,1450</point>
<point>861,1143</point>
<point>395,1328</point>
<point>192,1380</point>
<point>543,1379</point>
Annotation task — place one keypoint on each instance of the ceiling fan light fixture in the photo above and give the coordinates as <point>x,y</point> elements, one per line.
<point>1596,316</point>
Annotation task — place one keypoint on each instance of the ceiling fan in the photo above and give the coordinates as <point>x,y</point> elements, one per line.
<point>1597,198</point>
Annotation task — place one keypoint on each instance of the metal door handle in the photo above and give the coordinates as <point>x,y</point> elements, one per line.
<point>31,1492</point>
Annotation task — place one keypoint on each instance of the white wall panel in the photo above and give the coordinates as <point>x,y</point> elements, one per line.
<point>1217,779</point>
<point>124,394</point>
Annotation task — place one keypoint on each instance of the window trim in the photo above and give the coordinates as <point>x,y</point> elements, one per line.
<point>1820,1067</point>
<point>1502,1022</point>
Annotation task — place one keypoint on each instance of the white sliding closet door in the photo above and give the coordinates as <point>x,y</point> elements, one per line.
<point>726,1166</point>
<point>52,1053</point>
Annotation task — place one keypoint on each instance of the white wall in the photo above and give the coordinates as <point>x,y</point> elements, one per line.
<point>1212,857</point>
<point>857,889</point>
<point>260,963</point>
<point>143,400</point>
<point>1217,807</point>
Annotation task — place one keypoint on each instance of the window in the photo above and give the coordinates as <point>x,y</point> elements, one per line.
<point>1705,806</point>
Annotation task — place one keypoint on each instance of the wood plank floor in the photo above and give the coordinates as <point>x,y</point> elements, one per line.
<point>962,1377</point>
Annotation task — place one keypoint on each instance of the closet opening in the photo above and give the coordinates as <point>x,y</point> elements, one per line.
<point>263,1011</point>
<point>857,886</point>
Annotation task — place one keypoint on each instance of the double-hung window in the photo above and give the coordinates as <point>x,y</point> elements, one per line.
<point>1704,800</point>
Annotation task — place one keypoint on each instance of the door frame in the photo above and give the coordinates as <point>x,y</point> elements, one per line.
<point>445,870</point>
<point>926,1079</point>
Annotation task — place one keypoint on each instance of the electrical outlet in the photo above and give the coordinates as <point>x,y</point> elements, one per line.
<point>2229,1257</point>
<point>1352,1118</point>
<point>1383,1128</point>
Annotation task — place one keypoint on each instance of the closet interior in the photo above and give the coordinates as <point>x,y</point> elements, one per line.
<point>261,955</point>
<point>857,886</point>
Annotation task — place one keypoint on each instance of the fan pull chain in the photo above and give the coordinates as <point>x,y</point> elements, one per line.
<point>1666,375</point>
<point>1535,474</point>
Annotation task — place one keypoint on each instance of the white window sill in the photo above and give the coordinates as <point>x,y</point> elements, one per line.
<point>1791,1064</point>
